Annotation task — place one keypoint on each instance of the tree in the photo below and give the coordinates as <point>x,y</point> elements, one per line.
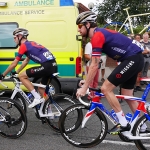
<point>112,10</point>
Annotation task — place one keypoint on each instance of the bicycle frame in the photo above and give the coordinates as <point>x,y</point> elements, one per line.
<point>17,89</point>
<point>129,19</point>
<point>141,107</point>
<point>2,118</point>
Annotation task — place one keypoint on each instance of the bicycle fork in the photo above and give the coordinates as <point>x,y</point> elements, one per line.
<point>88,114</point>
<point>51,114</point>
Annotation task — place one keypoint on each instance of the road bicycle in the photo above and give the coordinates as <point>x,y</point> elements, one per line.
<point>13,121</point>
<point>123,27</point>
<point>48,111</point>
<point>85,125</point>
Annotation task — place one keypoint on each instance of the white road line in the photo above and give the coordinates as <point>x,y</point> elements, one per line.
<point>121,143</point>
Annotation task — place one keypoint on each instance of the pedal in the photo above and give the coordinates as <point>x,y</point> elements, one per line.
<point>113,133</point>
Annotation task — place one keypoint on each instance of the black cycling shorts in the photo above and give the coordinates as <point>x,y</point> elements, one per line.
<point>44,71</point>
<point>126,73</point>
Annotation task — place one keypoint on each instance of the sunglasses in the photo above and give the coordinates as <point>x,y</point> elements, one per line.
<point>80,26</point>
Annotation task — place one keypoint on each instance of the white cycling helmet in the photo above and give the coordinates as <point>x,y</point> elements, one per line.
<point>21,31</point>
<point>87,16</point>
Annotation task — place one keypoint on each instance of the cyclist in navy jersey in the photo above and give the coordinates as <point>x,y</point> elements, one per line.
<point>119,48</point>
<point>36,53</point>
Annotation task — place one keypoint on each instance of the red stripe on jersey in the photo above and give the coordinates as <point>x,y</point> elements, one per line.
<point>96,53</point>
<point>21,51</point>
<point>98,40</point>
<point>18,58</point>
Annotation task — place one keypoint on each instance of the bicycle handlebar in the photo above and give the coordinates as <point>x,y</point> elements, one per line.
<point>87,92</point>
<point>82,102</point>
<point>12,76</point>
<point>9,77</point>
<point>3,84</point>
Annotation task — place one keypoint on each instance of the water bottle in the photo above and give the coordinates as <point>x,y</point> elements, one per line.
<point>128,117</point>
<point>38,106</point>
<point>31,97</point>
<point>114,116</point>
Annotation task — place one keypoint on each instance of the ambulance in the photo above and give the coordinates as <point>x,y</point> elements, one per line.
<point>52,23</point>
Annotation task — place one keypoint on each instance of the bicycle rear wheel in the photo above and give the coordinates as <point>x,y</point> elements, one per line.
<point>91,134</point>
<point>142,144</point>
<point>60,102</point>
<point>10,125</point>
<point>116,26</point>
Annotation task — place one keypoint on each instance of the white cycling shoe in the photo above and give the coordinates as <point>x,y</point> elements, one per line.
<point>35,102</point>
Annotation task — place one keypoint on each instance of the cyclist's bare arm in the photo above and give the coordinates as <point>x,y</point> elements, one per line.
<point>24,63</point>
<point>11,67</point>
<point>92,71</point>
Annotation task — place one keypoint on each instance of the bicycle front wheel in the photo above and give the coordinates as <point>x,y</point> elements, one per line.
<point>138,130</point>
<point>91,134</point>
<point>116,26</point>
<point>60,102</point>
<point>17,98</point>
<point>10,125</point>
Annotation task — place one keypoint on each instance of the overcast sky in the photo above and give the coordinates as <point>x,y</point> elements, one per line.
<point>86,2</point>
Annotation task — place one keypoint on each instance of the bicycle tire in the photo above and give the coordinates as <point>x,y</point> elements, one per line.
<point>91,135</point>
<point>141,144</point>
<point>116,26</point>
<point>124,138</point>
<point>64,101</point>
<point>10,127</point>
<point>18,98</point>
<point>21,101</point>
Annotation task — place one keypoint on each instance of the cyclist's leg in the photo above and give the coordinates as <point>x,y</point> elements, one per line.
<point>128,86</point>
<point>31,72</point>
<point>121,74</point>
<point>49,69</point>
<point>107,89</point>
<point>137,85</point>
<point>44,82</point>
<point>24,77</point>
<point>127,89</point>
